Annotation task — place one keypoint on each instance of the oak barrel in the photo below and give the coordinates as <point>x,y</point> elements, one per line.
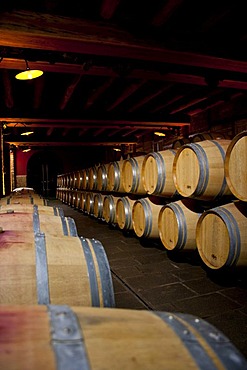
<point>208,136</point>
<point>98,205</point>
<point>198,170</point>
<point>124,208</point>
<point>24,199</point>
<point>157,173</point>
<point>132,175</point>
<point>177,224</point>
<point>236,166</point>
<point>114,176</point>
<point>92,178</point>
<point>29,208</point>
<point>145,215</point>
<point>109,209</point>
<point>221,236</point>
<point>85,179</point>
<point>89,203</point>
<point>61,337</point>
<point>180,142</point>
<point>40,268</point>
<point>102,182</point>
<point>33,222</point>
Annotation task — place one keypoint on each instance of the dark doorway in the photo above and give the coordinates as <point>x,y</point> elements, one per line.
<point>42,170</point>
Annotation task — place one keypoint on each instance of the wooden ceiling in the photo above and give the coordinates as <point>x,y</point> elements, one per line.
<point>116,70</point>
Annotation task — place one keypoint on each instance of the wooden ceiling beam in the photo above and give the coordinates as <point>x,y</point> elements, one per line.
<point>188,105</point>
<point>69,143</point>
<point>129,132</point>
<point>169,102</point>
<point>166,12</point>
<point>126,94</point>
<point>8,92</point>
<point>69,91</point>
<point>98,132</point>
<point>38,90</point>
<point>98,92</point>
<point>108,8</point>
<point>50,131</point>
<point>149,97</point>
<point>22,29</point>
<point>78,123</point>
<point>10,63</point>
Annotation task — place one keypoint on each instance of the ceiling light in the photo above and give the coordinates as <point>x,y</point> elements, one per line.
<point>28,74</point>
<point>159,133</point>
<point>27,133</point>
<point>117,149</point>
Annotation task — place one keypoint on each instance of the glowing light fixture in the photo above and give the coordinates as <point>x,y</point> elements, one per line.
<point>159,133</point>
<point>26,150</point>
<point>117,149</point>
<point>29,74</point>
<point>27,133</point>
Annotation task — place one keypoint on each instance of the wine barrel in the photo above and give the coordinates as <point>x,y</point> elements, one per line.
<point>82,202</point>
<point>41,268</point>
<point>35,222</point>
<point>145,215</point>
<point>77,178</point>
<point>109,209</point>
<point>98,205</point>
<point>102,183</point>
<point>114,176</point>
<point>30,208</point>
<point>63,337</point>
<point>208,136</point>
<point>221,236</point>
<point>24,199</point>
<point>92,178</point>
<point>157,173</point>
<point>85,178</point>
<point>177,224</point>
<point>131,175</point>
<point>198,170</point>
<point>180,142</point>
<point>89,203</point>
<point>59,181</point>
<point>236,166</point>
<point>124,208</point>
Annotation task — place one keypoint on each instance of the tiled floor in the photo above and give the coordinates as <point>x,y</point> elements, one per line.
<point>146,276</point>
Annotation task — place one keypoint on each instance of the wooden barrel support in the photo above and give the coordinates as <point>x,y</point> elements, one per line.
<point>63,337</point>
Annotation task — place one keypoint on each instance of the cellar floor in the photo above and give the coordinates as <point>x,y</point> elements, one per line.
<point>147,277</point>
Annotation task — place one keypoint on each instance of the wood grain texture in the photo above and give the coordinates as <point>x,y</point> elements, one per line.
<point>198,170</point>
<point>221,236</point>
<point>68,270</point>
<point>236,166</point>
<point>114,339</point>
